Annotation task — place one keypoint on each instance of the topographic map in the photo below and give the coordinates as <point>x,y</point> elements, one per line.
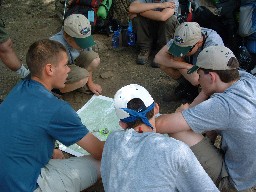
<point>98,115</point>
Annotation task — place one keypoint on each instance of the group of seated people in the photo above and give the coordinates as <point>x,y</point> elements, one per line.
<point>141,157</point>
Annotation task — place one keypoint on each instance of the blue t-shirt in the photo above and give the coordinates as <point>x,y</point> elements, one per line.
<point>31,119</point>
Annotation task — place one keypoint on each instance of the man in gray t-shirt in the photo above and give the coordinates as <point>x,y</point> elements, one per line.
<point>138,159</point>
<point>226,106</point>
<point>154,21</point>
<point>179,55</point>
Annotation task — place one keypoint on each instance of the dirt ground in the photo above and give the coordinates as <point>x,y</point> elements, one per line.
<point>29,20</point>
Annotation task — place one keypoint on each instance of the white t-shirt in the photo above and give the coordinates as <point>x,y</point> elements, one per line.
<point>150,162</point>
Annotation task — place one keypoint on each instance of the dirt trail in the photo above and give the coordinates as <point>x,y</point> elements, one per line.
<point>27,21</point>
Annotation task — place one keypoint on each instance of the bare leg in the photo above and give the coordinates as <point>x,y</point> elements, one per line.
<point>173,73</point>
<point>95,88</point>
<point>189,137</point>
<point>10,59</point>
<point>175,67</point>
<point>74,86</point>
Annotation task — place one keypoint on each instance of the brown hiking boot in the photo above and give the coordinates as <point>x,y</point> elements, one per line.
<point>143,57</point>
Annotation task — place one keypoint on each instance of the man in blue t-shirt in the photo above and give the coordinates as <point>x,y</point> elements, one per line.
<point>226,106</point>
<point>32,119</point>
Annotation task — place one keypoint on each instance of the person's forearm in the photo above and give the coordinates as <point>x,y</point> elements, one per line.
<point>171,123</point>
<point>90,80</point>
<point>158,15</point>
<point>179,64</point>
<point>199,99</point>
<point>136,7</point>
<point>167,60</point>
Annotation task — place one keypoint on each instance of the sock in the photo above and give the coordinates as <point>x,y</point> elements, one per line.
<point>22,71</point>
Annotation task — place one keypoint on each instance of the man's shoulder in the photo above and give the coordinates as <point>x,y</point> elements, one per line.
<point>59,37</point>
<point>212,37</point>
<point>164,142</point>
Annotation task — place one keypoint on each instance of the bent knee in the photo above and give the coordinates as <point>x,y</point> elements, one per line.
<point>158,59</point>
<point>83,82</point>
<point>94,64</point>
<point>194,82</point>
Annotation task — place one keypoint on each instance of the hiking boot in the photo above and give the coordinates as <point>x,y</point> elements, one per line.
<point>142,58</point>
<point>154,65</point>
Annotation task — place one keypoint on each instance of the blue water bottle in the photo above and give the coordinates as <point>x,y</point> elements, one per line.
<point>130,35</point>
<point>115,39</point>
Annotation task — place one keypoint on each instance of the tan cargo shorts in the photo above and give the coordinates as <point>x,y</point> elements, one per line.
<point>212,161</point>
<point>78,69</point>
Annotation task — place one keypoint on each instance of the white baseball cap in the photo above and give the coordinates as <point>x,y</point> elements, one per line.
<point>186,35</point>
<point>79,27</point>
<point>126,94</point>
<point>215,58</point>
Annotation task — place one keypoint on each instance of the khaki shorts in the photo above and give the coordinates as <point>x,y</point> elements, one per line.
<point>78,70</point>
<point>3,35</point>
<point>212,161</point>
<point>73,174</point>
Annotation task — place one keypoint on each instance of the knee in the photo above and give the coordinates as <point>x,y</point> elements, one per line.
<point>162,67</point>
<point>94,64</point>
<point>172,22</point>
<point>82,82</point>
<point>194,81</point>
<point>157,59</point>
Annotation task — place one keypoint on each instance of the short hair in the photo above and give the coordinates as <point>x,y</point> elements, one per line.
<point>42,52</point>
<point>137,105</point>
<point>226,76</point>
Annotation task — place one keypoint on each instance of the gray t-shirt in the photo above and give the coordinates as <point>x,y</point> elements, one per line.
<point>212,39</point>
<point>233,114</point>
<point>72,53</point>
<point>150,162</point>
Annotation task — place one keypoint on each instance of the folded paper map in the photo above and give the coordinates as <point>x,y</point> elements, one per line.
<point>98,115</point>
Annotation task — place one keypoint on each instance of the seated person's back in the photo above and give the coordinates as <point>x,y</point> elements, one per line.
<point>138,159</point>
